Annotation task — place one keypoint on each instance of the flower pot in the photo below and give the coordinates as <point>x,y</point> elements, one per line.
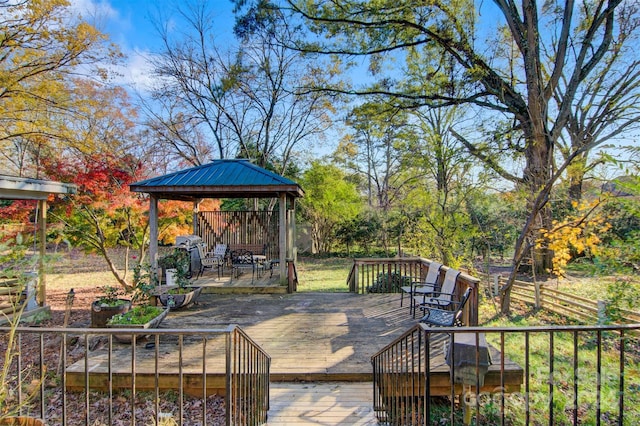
<point>22,421</point>
<point>152,323</point>
<point>100,313</point>
<point>170,274</point>
<point>180,300</point>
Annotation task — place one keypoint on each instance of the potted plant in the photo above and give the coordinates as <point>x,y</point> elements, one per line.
<point>142,315</point>
<point>176,266</point>
<point>178,261</point>
<point>108,305</point>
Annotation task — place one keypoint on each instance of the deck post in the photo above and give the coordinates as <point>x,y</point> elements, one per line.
<point>42,236</point>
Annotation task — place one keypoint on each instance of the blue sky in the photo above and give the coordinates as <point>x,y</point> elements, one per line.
<point>130,25</point>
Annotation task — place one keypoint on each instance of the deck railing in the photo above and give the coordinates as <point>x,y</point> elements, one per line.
<point>387,275</point>
<point>538,375</point>
<point>384,275</point>
<point>138,379</point>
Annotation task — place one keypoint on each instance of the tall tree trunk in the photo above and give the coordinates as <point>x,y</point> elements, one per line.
<point>537,186</point>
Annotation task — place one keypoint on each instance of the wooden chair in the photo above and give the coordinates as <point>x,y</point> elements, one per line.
<point>438,299</point>
<point>445,317</point>
<point>425,287</point>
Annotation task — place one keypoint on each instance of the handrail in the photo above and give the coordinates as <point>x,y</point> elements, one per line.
<point>243,380</point>
<point>531,378</point>
<point>383,272</point>
<point>247,381</point>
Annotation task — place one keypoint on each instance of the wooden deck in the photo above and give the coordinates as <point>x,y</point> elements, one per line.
<point>311,337</point>
<point>247,283</point>
<point>327,403</point>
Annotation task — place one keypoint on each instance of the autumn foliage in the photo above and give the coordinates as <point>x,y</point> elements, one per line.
<point>575,236</point>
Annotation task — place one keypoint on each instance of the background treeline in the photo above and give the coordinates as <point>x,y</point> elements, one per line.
<point>448,131</point>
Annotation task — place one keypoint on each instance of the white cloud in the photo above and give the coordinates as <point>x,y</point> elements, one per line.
<point>97,12</point>
<point>128,28</point>
<point>137,72</point>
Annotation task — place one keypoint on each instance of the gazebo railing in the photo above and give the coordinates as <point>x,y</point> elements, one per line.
<point>234,228</point>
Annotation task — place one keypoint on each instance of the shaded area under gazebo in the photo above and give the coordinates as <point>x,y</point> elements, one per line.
<point>228,179</point>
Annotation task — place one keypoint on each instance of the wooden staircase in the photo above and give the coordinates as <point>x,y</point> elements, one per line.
<point>322,403</point>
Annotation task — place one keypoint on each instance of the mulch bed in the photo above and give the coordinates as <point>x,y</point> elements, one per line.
<point>122,407</point>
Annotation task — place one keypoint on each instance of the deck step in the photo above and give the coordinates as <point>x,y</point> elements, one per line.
<point>327,403</point>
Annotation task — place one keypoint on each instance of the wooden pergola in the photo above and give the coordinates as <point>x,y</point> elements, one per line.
<point>20,188</point>
<point>225,179</point>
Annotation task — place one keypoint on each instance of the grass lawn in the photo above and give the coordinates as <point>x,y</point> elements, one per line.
<point>561,379</point>
<point>323,275</point>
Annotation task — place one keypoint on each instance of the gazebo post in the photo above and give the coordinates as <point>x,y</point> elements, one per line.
<point>196,209</point>
<point>292,230</point>
<point>282,235</point>
<point>153,231</point>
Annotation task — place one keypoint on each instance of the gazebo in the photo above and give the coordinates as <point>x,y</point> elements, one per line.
<point>20,188</point>
<point>237,178</point>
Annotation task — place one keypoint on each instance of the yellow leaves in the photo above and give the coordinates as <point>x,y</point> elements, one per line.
<point>576,235</point>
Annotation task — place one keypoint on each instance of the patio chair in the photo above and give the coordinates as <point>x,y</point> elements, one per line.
<point>242,260</point>
<point>446,318</point>
<point>427,286</point>
<point>212,259</point>
<point>438,299</point>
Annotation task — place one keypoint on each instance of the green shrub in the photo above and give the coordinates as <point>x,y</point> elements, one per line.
<point>389,283</point>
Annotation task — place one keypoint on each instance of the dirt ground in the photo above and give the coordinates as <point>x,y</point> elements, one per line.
<point>79,271</point>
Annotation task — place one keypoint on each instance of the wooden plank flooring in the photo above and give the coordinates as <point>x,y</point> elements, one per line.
<point>326,403</point>
<point>323,340</point>
<point>245,283</point>
<point>309,336</point>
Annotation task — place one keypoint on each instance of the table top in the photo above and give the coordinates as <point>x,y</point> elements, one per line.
<point>465,350</point>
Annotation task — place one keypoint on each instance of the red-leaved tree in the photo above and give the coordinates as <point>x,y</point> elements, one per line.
<point>104,213</point>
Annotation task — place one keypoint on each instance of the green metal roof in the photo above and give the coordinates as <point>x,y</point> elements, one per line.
<point>219,179</point>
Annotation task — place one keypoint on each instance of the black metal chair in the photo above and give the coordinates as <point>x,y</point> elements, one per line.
<point>242,260</point>
<point>446,318</point>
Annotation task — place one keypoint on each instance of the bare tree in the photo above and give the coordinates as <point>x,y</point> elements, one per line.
<point>235,103</point>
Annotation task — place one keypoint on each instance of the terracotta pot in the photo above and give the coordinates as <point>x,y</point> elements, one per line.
<point>22,421</point>
<point>101,314</point>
